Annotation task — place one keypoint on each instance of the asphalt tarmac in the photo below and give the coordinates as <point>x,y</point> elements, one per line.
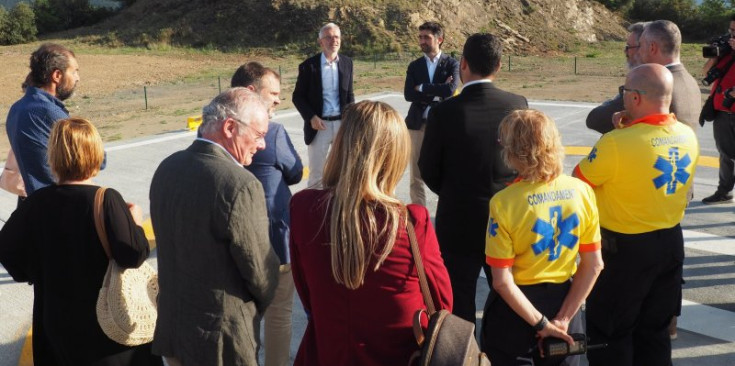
<point>706,327</point>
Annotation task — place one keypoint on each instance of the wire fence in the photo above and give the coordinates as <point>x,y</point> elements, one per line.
<point>387,71</point>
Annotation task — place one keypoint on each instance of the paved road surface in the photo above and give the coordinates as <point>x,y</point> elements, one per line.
<point>707,326</point>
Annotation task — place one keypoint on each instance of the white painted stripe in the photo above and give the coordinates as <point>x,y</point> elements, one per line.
<point>550,104</point>
<point>707,320</point>
<point>151,141</point>
<point>709,243</point>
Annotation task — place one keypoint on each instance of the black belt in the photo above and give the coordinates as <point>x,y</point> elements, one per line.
<point>332,118</point>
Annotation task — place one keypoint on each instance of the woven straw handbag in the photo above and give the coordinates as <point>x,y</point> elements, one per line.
<point>126,304</point>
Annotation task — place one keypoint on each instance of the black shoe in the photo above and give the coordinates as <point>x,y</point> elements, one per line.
<point>717,198</point>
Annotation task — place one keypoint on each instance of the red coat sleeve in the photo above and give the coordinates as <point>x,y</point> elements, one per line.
<point>436,273</point>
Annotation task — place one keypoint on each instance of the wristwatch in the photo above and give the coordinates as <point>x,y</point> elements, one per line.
<point>541,323</point>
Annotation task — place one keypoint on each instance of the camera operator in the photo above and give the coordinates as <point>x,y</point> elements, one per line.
<point>722,73</point>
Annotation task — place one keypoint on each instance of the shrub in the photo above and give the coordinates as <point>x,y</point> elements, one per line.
<point>18,25</point>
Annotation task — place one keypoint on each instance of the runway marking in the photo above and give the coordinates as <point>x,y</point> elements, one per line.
<point>700,319</point>
<point>26,354</point>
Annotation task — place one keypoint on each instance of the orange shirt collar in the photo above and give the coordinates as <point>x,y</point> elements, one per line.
<point>656,120</point>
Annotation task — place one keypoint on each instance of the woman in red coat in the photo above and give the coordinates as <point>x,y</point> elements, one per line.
<point>350,253</point>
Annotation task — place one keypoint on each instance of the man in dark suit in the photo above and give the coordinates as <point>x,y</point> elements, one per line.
<point>460,161</point>
<point>217,270</point>
<point>429,80</point>
<point>323,90</point>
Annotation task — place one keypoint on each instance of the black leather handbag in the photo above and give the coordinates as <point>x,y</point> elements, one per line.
<point>448,340</point>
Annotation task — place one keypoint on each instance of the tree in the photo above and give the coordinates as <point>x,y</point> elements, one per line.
<point>18,25</point>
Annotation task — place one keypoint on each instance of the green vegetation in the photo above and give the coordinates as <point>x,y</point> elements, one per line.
<point>697,22</point>
<point>18,25</point>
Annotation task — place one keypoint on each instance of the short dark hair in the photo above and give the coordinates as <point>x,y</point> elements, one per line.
<point>435,28</point>
<point>251,73</point>
<point>482,52</point>
<point>47,59</point>
<point>732,18</point>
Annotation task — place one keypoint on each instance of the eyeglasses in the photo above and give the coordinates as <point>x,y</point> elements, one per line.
<point>622,89</point>
<point>627,47</point>
<point>259,136</point>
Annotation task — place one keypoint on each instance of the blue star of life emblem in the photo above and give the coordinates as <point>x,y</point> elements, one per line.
<point>492,227</point>
<point>555,233</point>
<point>593,155</point>
<point>673,170</point>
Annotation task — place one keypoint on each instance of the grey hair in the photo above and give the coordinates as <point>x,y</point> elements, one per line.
<point>666,34</point>
<point>239,103</point>
<point>327,27</point>
<point>637,28</point>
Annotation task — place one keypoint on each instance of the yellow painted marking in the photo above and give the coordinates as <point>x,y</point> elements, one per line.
<point>26,353</point>
<point>705,161</point>
<point>305,174</point>
<point>148,229</point>
<point>193,122</point>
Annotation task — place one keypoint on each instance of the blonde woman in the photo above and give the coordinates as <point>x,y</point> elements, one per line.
<point>350,252</point>
<point>538,227</point>
<point>51,241</point>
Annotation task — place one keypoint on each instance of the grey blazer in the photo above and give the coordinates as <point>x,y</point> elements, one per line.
<point>216,268</point>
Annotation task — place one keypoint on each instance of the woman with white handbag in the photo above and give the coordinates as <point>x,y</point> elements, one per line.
<point>51,241</point>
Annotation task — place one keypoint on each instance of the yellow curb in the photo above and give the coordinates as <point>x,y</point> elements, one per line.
<point>26,353</point>
<point>705,161</point>
<point>148,229</point>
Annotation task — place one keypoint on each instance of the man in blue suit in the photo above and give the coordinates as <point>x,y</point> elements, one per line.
<point>276,167</point>
<point>429,80</point>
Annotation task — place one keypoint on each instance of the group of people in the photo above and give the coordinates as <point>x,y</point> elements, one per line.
<point>233,244</point>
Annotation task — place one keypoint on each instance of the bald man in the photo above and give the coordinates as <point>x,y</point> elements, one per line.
<point>640,173</point>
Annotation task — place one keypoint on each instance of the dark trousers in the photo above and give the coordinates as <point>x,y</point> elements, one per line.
<point>635,298</point>
<point>724,131</point>
<point>509,341</point>
<point>464,269</point>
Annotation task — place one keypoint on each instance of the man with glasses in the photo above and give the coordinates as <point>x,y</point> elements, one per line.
<point>640,173</point>
<point>429,80</point>
<point>217,271</point>
<point>599,119</point>
<point>276,167</point>
<point>323,90</point>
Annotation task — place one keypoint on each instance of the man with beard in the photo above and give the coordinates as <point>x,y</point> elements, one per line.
<point>429,80</point>
<point>600,118</point>
<point>53,77</point>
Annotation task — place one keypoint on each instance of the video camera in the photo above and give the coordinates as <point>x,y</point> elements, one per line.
<point>719,46</point>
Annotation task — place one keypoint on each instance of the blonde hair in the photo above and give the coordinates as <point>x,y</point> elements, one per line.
<point>368,158</point>
<point>74,150</point>
<point>532,145</point>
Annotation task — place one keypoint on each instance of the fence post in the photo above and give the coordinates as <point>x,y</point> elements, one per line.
<point>145,96</point>
<point>575,65</point>
<point>508,62</point>
<point>219,83</point>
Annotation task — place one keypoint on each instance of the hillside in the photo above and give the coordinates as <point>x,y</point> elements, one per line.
<point>528,26</point>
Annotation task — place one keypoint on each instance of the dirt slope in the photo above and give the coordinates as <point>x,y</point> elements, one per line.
<point>287,26</point>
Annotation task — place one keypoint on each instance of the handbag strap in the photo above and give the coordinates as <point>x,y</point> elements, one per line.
<point>419,265</point>
<point>99,220</point>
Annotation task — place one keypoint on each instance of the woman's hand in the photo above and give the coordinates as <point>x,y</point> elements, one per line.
<point>556,331</point>
<point>137,213</point>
